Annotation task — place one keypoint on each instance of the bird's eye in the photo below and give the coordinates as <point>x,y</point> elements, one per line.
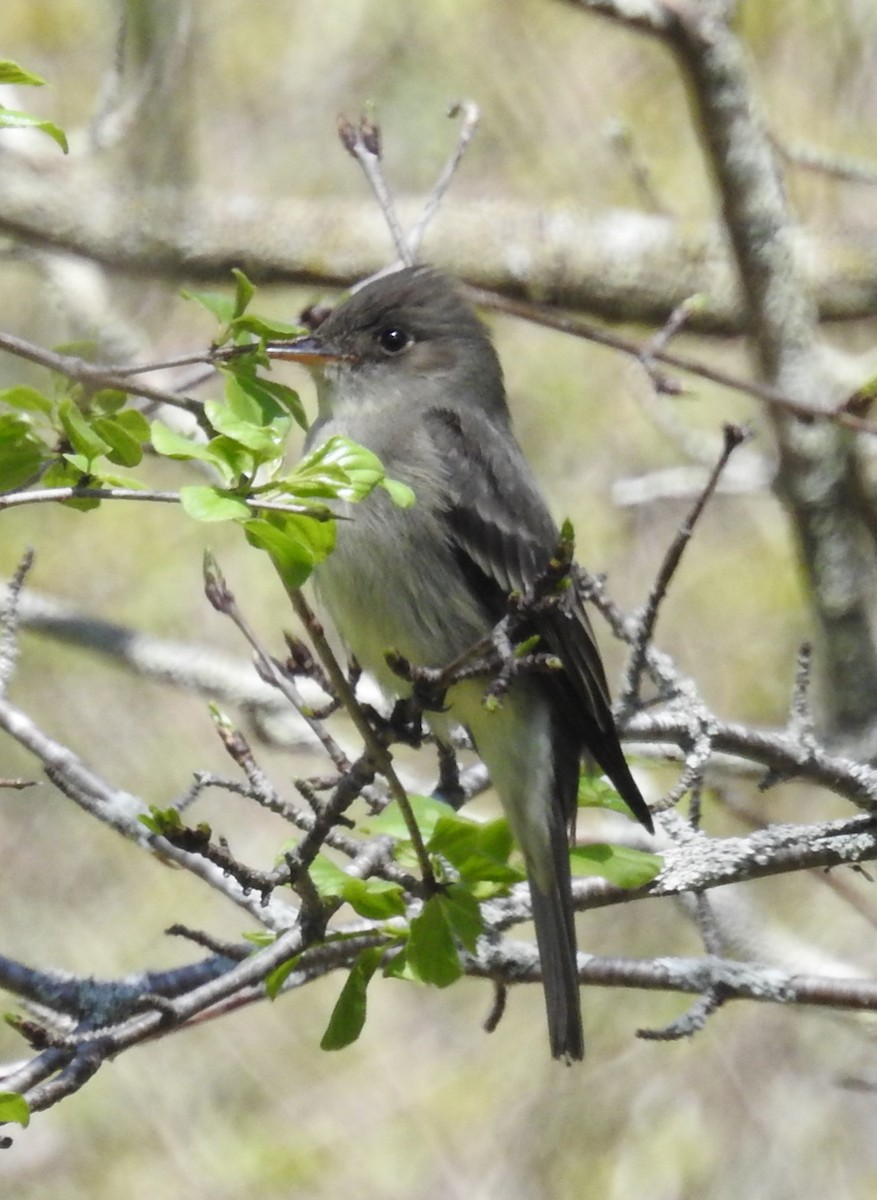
<point>394,340</point>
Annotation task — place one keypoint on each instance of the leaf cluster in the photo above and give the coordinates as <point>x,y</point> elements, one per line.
<point>421,941</point>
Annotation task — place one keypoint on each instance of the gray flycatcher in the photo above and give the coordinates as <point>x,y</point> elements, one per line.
<point>405,368</point>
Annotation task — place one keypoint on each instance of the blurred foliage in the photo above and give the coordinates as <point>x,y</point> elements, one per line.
<point>424,1104</point>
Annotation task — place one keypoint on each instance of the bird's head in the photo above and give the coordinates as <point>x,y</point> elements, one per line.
<point>408,335</point>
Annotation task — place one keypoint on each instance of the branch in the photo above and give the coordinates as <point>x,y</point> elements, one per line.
<point>622,265</point>
<point>96,376</point>
<point>815,462</point>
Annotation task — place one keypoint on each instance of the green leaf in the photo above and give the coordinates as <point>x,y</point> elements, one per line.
<point>111,480</point>
<point>480,852</point>
<point>244,292</point>
<point>264,327</point>
<point>19,463</point>
<point>269,398</point>
<point>427,812</point>
<point>134,423</point>
<point>234,462</point>
<point>621,865</point>
<point>259,937</point>
<point>292,559</point>
<point>400,493</point>
<point>266,441</point>
<point>348,1016</point>
<point>597,792</point>
<point>464,914</point>
<point>14,1107</point>
<point>213,504</point>
<point>124,449</point>
<point>362,468</point>
<point>11,72</point>
<point>339,469</point>
<point>327,877</point>
<point>216,303</point>
<point>247,399</point>
<point>276,979</point>
<point>295,543</point>
<point>431,950</point>
<point>9,119</point>
<point>72,470</point>
<point>163,821</point>
<point>22,452</point>
<point>83,438</point>
<point>107,402</point>
<point>170,444</point>
<point>377,899</point>
<point>27,399</point>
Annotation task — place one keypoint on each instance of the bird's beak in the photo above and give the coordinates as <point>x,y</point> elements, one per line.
<point>311,351</point>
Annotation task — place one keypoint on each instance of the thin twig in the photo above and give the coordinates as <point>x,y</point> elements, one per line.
<point>9,621</point>
<point>221,597</point>
<point>839,166</point>
<point>575,327</point>
<point>471,115</point>
<point>61,494</point>
<point>363,143</point>
<point>96,377</point>
<point>734,437</point>
<point>382,757</point>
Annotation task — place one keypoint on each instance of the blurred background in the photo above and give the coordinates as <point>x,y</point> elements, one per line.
<point>764,1102</point>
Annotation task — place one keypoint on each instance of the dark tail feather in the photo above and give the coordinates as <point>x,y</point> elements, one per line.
<point>556,938</point>
<point>610,758</point>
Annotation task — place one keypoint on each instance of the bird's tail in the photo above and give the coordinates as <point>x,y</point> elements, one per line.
<point>556,938</point>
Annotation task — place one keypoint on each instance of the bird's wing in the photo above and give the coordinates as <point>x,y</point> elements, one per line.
<point>504,538</point>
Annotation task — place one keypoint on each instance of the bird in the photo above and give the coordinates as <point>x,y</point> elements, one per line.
<point>405,368</point>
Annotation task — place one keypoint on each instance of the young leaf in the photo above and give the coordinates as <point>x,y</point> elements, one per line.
<point>27,399</point>
<point>293,558</point>
<point>427,812</point>
<point>266,441</point>
<point>621,865</point>
<point>14,1107</point>
<point>124,450</point>
<point>107,402</point>
<point>431,950</point>
<point>259,937</point>
<point>400,493</point>
<point>328,878</point>
<point>9,119</point>
<point>597,792</point>
<point>376,899</point>
<point>264,327</point>
<point>269,398</point>
<point>348,1016</point>
<point>247,398</point>
<point>221,454</point>
<point>83,437</point>
<point>22,452</point>
<point>212,504</point>
<point>11,72</point>
<point>218,305</point>
<point>243,293</point>
<point>479,852</point>
<point>134,423</point>
<point>464,914</point>
<point>163,821</point>
<point>19,462</point>
<point>276,979</point>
